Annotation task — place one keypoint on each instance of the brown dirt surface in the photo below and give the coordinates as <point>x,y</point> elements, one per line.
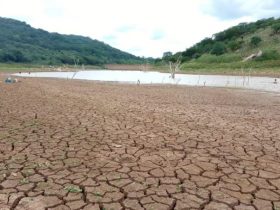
<point>86,145</point>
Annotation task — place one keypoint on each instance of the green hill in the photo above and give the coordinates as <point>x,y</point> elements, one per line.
<point>224,52</point>
<point>20,43</point>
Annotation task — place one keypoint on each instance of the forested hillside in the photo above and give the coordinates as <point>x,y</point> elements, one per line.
<point>228,49</point>
<point>20,43</point>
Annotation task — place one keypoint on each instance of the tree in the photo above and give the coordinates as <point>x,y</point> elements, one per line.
<point>205,45</point>
<point>174,67</point>
<point>167,54</point>
<point>219,48</point>
<point>190,52</point>
<point>255,41</point>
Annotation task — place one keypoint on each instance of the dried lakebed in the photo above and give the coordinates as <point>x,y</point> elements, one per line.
<point>75,144</point>
<point>256,83</point>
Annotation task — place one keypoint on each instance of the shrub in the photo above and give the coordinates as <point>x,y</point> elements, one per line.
<point>269,55</point>
<point>255,41</point>
<point>276,28</point>
<point>235,45</point>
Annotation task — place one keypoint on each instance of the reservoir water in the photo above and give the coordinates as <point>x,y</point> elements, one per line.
<point>148,77</point>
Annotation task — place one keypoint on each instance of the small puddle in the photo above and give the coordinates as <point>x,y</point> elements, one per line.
<point>255,83</point>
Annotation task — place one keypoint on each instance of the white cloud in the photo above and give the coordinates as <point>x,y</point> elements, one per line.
<point>144,28</point>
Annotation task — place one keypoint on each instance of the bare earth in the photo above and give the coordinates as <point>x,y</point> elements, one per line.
<point>85,145</point>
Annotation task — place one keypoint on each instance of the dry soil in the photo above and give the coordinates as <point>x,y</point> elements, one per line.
<point>85,145</point>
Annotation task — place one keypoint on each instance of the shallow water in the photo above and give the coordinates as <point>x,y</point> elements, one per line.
<point>256,83</point>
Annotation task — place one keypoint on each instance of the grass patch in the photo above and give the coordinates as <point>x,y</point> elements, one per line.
<point>226,58</point>
<point>73,189</point>
<point>97,194</point>
<point>24,181</point>
<point>269,67</point>
<point>179,188</point>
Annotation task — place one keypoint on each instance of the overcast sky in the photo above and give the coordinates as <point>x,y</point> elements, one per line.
<point>141,27</point>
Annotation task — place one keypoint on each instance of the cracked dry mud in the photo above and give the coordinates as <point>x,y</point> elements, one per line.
<point>85,145</point>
